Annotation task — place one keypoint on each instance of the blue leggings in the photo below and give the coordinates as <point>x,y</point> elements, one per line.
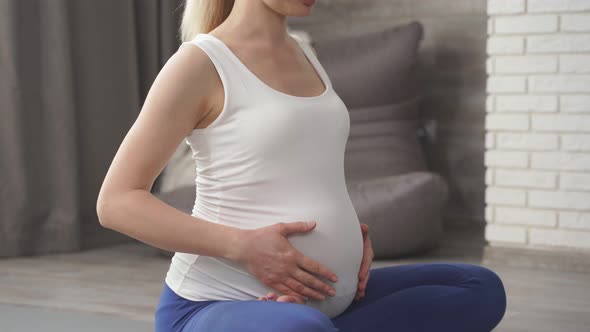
<point>411,297</point>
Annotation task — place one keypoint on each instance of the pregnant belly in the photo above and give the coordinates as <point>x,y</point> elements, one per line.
<point>336,242</point>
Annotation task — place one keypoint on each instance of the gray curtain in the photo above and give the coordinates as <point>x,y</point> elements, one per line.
<point>73,77</point>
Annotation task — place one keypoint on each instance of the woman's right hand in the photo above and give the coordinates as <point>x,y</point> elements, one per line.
<point>269,256</point>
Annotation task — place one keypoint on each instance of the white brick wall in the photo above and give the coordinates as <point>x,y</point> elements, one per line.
<point>537,138</point>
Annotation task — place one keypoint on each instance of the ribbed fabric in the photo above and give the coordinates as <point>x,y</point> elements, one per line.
<point>271,157</point>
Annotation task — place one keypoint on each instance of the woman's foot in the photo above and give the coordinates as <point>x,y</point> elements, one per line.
<point>283,298</point>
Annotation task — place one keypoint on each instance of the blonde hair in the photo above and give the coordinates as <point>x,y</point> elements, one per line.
<point>202,16</point>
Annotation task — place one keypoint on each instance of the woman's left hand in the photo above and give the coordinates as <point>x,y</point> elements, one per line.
<point>366,262</point>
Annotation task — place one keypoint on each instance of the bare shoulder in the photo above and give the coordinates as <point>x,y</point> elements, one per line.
<point>184,88</point>
<point>193,54</point>
<point>180,96</point>
<point>192,64</point>
<point>187,83</point>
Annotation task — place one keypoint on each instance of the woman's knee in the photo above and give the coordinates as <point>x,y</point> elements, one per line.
<point>490,281</point>
<point>493,292</point>
<point>310,319</point>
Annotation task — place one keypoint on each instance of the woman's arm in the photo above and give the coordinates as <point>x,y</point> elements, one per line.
<point>181,95</point>
<point>138,214</point>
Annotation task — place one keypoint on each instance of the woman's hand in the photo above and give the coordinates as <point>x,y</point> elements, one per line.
<point>366,262</point>
<point>283,298</point>
<point>269,256</point>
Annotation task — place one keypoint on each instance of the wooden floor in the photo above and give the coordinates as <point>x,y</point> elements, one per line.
<point>547,291</point>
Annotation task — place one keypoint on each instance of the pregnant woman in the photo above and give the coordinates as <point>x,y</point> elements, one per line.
<point>273,242</point>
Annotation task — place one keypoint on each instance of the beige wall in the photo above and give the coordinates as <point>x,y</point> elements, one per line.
<point>453,59</point>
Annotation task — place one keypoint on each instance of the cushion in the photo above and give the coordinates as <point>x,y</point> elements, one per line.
<point>376,68</point>
<point>375,76</point>
<point>386,136</point>
<point>402,211</point>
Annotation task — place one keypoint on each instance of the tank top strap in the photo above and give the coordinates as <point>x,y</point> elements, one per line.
<point>235,85</point>
<point>239,71</point>
<point>227,68</point>
<point>223,58</point>
<point>306,47</point>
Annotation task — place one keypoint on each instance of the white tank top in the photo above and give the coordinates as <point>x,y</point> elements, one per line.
<point>271,157</point>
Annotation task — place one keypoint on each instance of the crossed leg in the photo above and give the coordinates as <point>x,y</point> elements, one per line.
<point>427,297</point>
<point>258,316</point>
<point>413,297</point>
